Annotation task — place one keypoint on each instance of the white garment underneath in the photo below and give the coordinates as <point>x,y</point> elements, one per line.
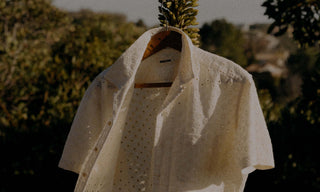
<point>133,171</point>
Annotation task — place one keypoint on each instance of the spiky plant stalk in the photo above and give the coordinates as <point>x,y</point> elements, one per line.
<point>180,14</point>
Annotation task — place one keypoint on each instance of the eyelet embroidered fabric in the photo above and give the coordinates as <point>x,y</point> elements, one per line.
<point>209,135</point>
<point>133,168</point>
<point>133,171</point>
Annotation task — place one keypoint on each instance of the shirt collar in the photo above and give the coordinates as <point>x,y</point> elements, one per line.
<point>123,71</point>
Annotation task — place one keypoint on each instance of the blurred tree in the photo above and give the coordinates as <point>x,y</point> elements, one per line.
<point>302,15</point>
<point>296,134</point>
<point>295,140</point>
<point>181,14</point>
<point>47,59</point>
<point>140,23</point>
<point>223,38</point>
<point>303,60</point>
<point>28,28</point>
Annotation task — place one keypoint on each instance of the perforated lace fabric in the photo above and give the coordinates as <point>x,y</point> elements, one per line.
<point>209,135</point>
<point>133,172</point>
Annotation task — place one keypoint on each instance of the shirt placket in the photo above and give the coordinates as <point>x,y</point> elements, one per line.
<point>162,155</point>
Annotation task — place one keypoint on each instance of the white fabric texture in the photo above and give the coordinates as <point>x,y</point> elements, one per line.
<point>133,169</point>
<point>205,133</point>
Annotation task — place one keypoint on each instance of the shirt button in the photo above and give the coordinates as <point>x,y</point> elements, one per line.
<point>109,123</point>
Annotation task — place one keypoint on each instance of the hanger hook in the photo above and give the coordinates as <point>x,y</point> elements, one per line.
<point>167,22</point>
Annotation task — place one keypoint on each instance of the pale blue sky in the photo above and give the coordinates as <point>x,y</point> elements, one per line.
<point>235,11</point>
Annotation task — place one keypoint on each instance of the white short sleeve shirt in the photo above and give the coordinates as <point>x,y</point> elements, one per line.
<point>205,133</point>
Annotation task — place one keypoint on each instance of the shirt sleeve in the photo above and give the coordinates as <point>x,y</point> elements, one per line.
<point>254,148</point>
<point>88,122</point>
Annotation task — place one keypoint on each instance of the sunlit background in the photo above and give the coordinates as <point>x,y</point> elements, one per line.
<point>51,51</point>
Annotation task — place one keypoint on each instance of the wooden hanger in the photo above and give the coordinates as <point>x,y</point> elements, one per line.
<point>158,42</point>
<point>162,40</point>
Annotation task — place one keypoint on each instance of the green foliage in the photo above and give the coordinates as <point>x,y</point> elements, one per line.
<point>25,57</point>
<point>295,135</point>
<point>223,38</point>
<point>309,105</point>
<point>48,58</point>
<point>303,60</point>
<point>303,16</point>
<point>181,14</point>
<point>271,109</point>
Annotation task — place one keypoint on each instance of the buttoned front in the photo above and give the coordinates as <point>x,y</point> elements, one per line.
<point>204,133</point>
